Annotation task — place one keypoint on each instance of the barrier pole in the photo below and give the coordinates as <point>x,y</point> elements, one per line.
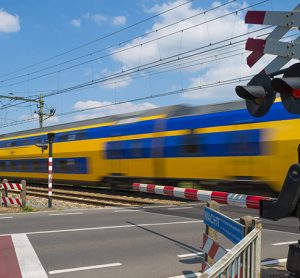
<point>23,193</point>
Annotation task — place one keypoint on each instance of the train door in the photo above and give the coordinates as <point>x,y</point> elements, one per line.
<point>157,150</point>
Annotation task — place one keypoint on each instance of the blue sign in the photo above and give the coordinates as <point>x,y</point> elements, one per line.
<point>233,230</point>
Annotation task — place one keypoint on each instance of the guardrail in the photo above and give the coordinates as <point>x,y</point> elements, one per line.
<point>243,260</point>
<point>20,188</point>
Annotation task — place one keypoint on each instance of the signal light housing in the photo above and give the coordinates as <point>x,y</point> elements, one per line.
<point>258,93</point>
<point>289,88</point>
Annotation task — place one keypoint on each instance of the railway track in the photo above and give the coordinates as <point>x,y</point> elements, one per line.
<point>98,199</point>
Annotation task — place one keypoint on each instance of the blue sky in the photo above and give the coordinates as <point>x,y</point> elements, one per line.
<point>50,46</point>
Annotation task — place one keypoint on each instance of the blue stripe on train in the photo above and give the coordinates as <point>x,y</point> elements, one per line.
<point>276,113</point>
<point>219,144</point>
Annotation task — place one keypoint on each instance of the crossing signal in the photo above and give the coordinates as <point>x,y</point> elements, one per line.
<point>289,88</point>
<point>258,93</point>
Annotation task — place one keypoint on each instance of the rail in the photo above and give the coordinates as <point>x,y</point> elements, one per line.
<point>243,260</point>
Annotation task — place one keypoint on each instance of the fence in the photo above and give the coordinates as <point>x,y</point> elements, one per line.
<point>243,260</point>
<point>20,188</point>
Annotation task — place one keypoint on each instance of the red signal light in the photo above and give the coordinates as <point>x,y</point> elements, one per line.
<point>295,92</point>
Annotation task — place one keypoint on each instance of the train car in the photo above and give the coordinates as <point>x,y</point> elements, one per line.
<point>219,143</point>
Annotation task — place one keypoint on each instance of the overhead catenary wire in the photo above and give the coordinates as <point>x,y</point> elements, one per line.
<point>100,38</point>
<point>121,50</point>
<point>155,64</point>
<point>164,94</point>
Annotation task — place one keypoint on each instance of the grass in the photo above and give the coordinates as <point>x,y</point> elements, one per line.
<point>28,209</point>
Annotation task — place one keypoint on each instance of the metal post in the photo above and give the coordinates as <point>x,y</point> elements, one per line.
<point>210,231</point>
<point>4,192</point>
<point>50,168</point>
<point>23,193</point>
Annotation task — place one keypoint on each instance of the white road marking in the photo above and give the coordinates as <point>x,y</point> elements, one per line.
<point>190,275</point>
<point>6,217</point>
<point>68,213</point>
<point>270,262</point>
<point>179,208</point>
<point>127,210</point>
<point>83,268</point>
<point>29,262</point>
<point>190,255</point>
<point>284,243</point>
<point>163,206</point>
<point>114,227</point>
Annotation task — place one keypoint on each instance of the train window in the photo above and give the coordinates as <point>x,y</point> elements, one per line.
<point>13,166</point>
<point>190,144</point>
<point>35,165</point>
<point>26,142</point>
<point>71,137</point>
<point>137,149</point>
<point>81,135</point>
<point>11,144</point>
<point>2,165</point>
<point>116,149</point>
<point>23,165</point>
<point>63,137</point>
<point>63,166</point>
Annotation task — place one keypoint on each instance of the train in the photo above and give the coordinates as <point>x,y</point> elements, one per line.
<point>209,144</point>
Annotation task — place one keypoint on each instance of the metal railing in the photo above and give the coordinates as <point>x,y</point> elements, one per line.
<point>243,260</point>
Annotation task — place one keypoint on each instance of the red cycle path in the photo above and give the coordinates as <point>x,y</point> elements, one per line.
<point>9,266</point>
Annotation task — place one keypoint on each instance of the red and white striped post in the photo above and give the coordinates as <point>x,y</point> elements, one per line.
<point>50,168</point>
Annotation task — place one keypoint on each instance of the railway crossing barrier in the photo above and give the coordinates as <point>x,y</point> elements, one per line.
<point>20,188</point>
<point>245,263</point>
<point>243,260</point>
<point>240,200</point>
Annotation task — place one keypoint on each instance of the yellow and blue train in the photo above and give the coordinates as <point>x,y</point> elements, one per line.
<point>163,145</point>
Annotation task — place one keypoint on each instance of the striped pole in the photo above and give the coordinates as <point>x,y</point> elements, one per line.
<point>233,199</point>
<point>50,169</point>
<point>50,181</point>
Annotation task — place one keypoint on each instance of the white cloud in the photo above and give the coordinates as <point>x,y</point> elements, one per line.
<point>50,121</point>
<point>108,108</point>
<point>76,22</point>
<point>97,18</point>
<point>200,36</point>
<point>189,39</point>
<point>119,20</point>
<point>9,23</point>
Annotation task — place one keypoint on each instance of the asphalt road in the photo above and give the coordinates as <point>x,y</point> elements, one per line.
<point>136,242</point>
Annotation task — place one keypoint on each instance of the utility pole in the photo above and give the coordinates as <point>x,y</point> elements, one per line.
<point>40,107</point>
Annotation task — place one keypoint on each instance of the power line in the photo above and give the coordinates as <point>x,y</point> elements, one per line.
<point>157,63</point>
<point>185,90</point>
<point>99,39</point>
<point>122,50</point>
<point>117,45</point>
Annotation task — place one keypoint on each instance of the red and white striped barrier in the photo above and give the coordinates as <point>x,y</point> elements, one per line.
<point>11,201</point>
<point>11,186</point>
<point>232,199</point>
<point>204,266</point>
<point>212,248</point>
<point>20,188</point>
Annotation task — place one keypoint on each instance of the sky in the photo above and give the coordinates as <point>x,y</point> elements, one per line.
<point>93,58</point>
